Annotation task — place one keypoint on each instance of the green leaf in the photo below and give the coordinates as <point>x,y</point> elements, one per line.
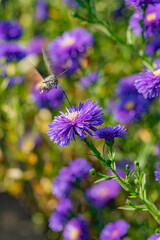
<point>138,208</point>
<point>104,179</point>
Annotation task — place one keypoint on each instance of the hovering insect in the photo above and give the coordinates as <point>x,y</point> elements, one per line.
<point>51,81</point>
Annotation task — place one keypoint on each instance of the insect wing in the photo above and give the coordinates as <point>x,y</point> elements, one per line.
<point>47,61</point>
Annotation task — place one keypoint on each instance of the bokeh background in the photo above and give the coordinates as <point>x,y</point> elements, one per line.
<point>29,161</point>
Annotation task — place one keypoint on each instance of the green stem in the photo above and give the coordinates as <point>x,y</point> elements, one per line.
<point>125,185</point>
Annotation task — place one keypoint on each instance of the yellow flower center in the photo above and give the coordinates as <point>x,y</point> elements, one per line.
<point>103,192</point>
<point>72,116</point>
<point>157,72</point>
<point>151,16</point>
<point>114,234</point>
<point>129,105</point>
<point>74,234</point>
<point>68,41</point>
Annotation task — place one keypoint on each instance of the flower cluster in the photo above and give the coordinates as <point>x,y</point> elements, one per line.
<point>66,181</point>
<point>90,79</point>
<point>115,230</point>
<point>78,120</point>
<point>53,99</point>
<point>151,21</point>
<point>67,50</point>
<point>131,105</point>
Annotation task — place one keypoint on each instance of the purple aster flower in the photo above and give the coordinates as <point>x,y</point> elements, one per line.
<point>41,10</point>
<point>130,109</point>
<point>76,229</point>
<point>77,120</point>
<point>148,83</point>
<point>134,22</point>
<point>53,99</point>
<point>80,167</point>
<point>92,78</point>
<point>102,192</point>
<point>152,20</point>
<point>10,30</point>
<point>157,173</point>
<point>131,105</point>
<point>153,46</point>
<point>64,206</point>
<point>155,236</point>
<point>110,133</point>
<point>115,230</point>
<point>67,50</point>
<point>138,3</point>
<point>15,80</point>
<point>36,44</point>
<point>57,222</point>
<point>12,51</point>
<point>62,184</point>
<point>157,149</point>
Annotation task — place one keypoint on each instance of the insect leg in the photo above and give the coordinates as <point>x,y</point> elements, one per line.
<point>65,95</point>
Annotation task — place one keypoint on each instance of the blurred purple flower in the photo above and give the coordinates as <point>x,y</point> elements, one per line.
<point>152,20</point>
<point>41,10</point>
<point>36,44</point>
<point>110,133</point>
<point>10,30</point>
<point>80,167</point>
<point>77,120</point>
<point>115,230</point>
<point>122,165</point>
<point>57,222</point>
<point>66,50</point>
<point>157,63</point>
<point>102,192</point>
<point>61,188</point>
<point>12,51</point>
<point>15,80</point>
<point>157,150</point>
<point>64,206</point>
<point>152,46</point>
<point>72,3</point>
<point>134,22</point>
<point>157,173</point>
<point>131,105</point>
<point>130,109</point>
<point>76,229</point>
<point>62,183</point>
<point>53,99</point>
<point>155,236</point>
<point>92,78</point>
<point>148,83</point>
<point>138,3</point>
